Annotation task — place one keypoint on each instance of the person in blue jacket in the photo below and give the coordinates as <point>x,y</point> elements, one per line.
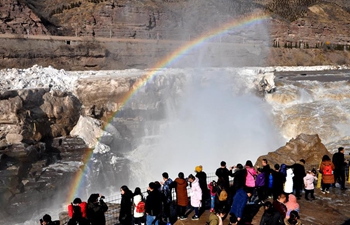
<point>239,202</point>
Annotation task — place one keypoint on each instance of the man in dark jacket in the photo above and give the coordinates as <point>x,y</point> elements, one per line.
<point>223,174</point>
<point>238,175</point>
<point>266,170</point>
<point>239,202</point>
<point>278,181</point>
<point>96,209</point>
<point>339,171</point>
<point>153,204</point>
<point>298,179</point>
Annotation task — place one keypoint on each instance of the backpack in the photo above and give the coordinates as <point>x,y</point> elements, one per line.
<point>223,195</point>
<point>327,170</point>
<point>260,180</point>
<point>140,207</point>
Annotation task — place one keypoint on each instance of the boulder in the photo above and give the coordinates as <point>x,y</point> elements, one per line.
<point>265,82</point>
<point>89,129</point>
<point>34,114</point>
<point>304,146</point>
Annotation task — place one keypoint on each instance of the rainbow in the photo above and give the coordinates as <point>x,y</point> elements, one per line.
<point>78,181</point>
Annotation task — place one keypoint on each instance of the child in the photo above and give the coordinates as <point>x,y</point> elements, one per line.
<point>212,188</point>
<point>309,180</point>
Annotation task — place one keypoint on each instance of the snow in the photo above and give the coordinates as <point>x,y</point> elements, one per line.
<point>42,77</point>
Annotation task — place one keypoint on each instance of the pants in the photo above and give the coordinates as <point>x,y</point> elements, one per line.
<point>325,186</point>
<point>212,202</point>
<point>151,220</point>
<point>260,193</point>
<point>181,210</point>
<point>139,220</point>
<point>196,211</point>
<point>307,192</point>
<point>339,176</point>
<point>167,209</point>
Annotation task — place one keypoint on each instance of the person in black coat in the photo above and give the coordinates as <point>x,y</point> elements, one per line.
<point>238,175</point>
<point>125,216</point>
<point>202,179</point>
<point>278,181</point>
<point>153,204</point>
<point>339,171</point>
<point>298,179</point>
<point>223,174</point>
<point>96,209</point>
<point>266,170</point>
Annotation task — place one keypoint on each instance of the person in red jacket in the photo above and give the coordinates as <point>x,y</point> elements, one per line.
<point>77,212</point>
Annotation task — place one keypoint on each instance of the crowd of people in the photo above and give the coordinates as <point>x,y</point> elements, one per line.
<point>277,189</point>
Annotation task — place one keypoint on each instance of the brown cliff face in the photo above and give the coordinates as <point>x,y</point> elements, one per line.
<point>17,18</point>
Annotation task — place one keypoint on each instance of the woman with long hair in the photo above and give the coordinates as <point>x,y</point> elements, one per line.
<point>125,217</point>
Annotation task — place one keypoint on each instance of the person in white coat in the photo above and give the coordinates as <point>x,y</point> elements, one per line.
<point>139,212</point>
<point>288,185</point>
<point>196,196</point>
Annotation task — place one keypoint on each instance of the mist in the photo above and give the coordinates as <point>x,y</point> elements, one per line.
<point>215,119</point>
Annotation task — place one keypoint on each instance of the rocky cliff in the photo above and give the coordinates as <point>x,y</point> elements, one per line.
<point>16,17</point>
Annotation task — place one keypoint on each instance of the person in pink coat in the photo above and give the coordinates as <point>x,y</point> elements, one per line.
<point>196,196</point>
<point>250,176</point>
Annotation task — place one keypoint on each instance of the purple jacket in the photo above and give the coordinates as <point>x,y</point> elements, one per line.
<point>260,180</point>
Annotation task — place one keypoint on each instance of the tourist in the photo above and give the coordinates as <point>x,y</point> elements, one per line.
<point>326,168</point>
<point>180,185</point>
<point>153,204</point>
<point>223,174</point>
<point>280,208</point>
<point>96,209</point>
<point>339,164</point>
<point>291,205</point>
<point>259,184</point>
<point>267,171</point>
<point>77,212</point>
<point>139,207</point>
<point>212,189</point>
<point>268,216</point>
<point>298,179</point>
<point>250,176</point>
<point>278,182</point>
<point>239,202</point>
<point>125,216</point>
<point>293,219</point>
<point>239,179</point>
<point>196,196</point>
<point>309,180</point>
<point>46,220</point>
<point>166,196</point>
<point>288,185</point>
<point>221,197</point>
<point>215,218</point>
<point>202,178</point>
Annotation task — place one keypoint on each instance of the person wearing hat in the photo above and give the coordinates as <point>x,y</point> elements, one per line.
<point>202,179</point>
